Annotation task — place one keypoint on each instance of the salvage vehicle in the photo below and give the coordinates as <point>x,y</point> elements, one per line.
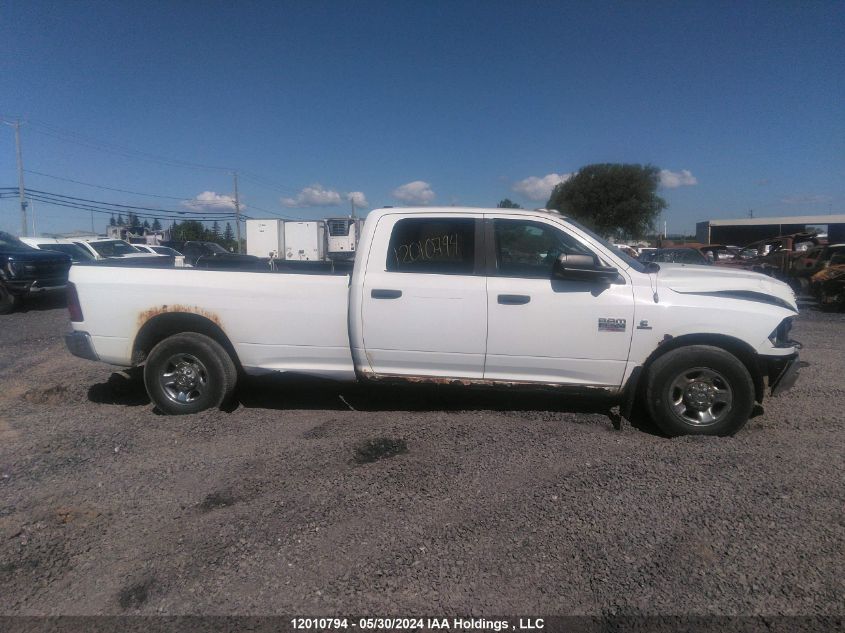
<point>676,256</point>
<point>825,285</point>
<point>814,260</point>
<point>493,297</point>
<point>27,271</point>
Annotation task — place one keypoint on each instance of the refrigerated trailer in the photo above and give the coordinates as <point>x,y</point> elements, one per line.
<point>265,238</point>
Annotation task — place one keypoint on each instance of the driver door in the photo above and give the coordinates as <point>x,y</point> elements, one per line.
<point>551,330</point>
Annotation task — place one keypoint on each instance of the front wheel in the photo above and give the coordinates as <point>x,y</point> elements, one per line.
<point>188,373</point>
<point>699,390</point>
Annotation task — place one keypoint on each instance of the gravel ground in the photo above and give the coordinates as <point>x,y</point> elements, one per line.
<point>490,503</point>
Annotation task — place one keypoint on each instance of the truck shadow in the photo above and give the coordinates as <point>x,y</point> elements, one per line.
<point>288,392</point>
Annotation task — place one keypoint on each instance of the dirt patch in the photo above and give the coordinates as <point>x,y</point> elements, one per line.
<point>57,394</point>
<point>379,448</point>
<point>135,595</point>
<point>217,500</point>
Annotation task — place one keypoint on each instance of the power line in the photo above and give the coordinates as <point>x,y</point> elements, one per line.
<point>90,184</point>
<point>112,208</point>
<point>132,206</point>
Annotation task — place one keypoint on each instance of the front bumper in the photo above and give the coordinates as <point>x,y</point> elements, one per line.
<point>21,288</point>
<point>79,344</point>
<point>783,373</point>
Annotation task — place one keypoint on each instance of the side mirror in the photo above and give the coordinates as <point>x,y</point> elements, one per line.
<point>583,268</point>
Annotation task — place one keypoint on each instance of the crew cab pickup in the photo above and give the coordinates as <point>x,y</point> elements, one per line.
<point>464,296</point>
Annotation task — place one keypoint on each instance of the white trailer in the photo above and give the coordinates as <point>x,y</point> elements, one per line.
<point>305,241</point>
<point>343,234</point>
<point>265,237</point>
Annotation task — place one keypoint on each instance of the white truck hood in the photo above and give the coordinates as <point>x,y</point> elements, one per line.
<point>716,280</point>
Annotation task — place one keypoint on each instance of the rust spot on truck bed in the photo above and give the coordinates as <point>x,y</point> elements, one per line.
<point>146,315</point>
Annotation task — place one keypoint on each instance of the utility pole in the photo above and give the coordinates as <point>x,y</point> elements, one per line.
<point>21,192</point>
<point>237,212</point>
<point>352,202</point>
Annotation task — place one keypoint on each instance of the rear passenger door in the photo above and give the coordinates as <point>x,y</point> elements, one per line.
<point>424,308</point>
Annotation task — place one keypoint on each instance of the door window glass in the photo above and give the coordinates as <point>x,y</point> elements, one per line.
<point>444,246</point>
<point>530,249</point>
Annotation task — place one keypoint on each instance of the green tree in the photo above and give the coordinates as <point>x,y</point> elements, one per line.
<point>146,224</point>
<point>190,230</point>
<point>612,198</point>
<point>228,233</point>
<point>507,203</point>
<point>215,230</point>
<point>112,221</point>
<point>156,225</point>
<point>120,221</point>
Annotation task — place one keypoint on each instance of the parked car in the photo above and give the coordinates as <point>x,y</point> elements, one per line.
<point>26,271</point>
<point>496,297</point>
<point>158,250</point>
<point>77,253</point>
<point>676,256</point>
<point>110,249</point>
<point>212,255</point>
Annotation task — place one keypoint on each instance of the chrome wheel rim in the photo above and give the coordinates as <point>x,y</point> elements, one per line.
<point>700,397</point>
<point>183,378</point>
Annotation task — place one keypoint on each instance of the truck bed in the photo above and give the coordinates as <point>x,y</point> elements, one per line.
<point>286,320</point>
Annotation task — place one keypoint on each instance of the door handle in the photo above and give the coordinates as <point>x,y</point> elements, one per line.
<point>385,293</point>
<point>514,300</point>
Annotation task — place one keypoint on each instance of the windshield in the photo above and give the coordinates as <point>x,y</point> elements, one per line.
<point>630,261</point>
<point>11,243</point>
<point>77,253</point>
<point>113,248</point>
<point>165,250</point>
<point>214,247</point>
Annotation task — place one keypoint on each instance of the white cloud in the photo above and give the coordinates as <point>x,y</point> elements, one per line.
<point>358,198</point>
<point>416,192</point>
<point>673,179</point>
<point>539,188</point>
<point>314,196</point>
<point>212,201</point>
<point>807,199</point>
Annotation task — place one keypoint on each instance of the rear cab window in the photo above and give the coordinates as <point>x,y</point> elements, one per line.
<point>441,246</point>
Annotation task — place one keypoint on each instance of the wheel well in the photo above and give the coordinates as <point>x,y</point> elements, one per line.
<point>743,351</point>
<point>161,326</point>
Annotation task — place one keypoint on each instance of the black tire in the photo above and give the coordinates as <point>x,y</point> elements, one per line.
<point>699,390</point>
<point>188,373</point>
<point>8,301</point>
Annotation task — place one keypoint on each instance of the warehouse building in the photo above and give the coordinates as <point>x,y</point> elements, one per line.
<point>746,230</point>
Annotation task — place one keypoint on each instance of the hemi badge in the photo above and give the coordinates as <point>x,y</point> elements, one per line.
<point>643,325</point>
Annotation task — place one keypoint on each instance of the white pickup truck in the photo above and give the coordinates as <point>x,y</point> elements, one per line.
<point>456,295</point>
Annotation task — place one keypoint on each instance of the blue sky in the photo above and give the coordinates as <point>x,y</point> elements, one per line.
<point>432,102</point>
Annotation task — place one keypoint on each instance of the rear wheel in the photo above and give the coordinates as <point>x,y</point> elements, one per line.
<point>8,301</point>
<point>699,390</point>
<point>188,373</point>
